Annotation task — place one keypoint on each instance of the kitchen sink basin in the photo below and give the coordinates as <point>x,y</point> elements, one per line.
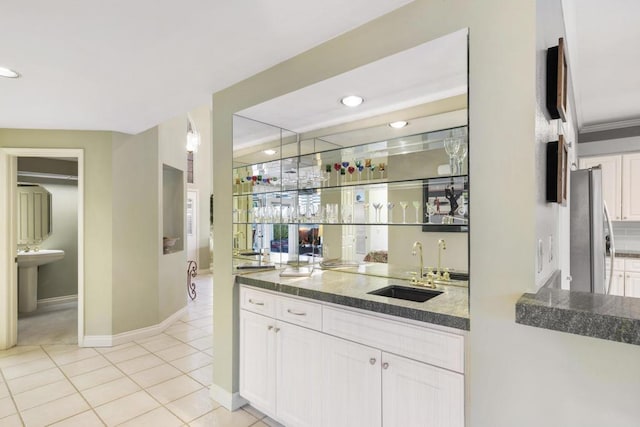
<point>406,293</point>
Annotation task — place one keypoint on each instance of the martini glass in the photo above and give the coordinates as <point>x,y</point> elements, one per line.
<point>390,207</point>
<point>378,207</point>
<point>404,206</point>
<point>416,206</point>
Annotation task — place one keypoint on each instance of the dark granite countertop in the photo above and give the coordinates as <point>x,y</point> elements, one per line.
<point>607,317</point>
<point>449,309</point>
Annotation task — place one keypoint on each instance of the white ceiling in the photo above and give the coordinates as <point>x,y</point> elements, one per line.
<point>603,39</point>
<point>129,65</point>
<point>425,73</point>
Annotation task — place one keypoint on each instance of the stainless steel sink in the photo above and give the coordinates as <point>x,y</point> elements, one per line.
<point>406,293</point>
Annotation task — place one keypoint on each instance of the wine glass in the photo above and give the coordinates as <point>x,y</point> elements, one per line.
<point>462,153</point>
<point>451,146</point>
<point>345,165</point>
<point>337,167</point>
<point>381,168</point>
<point>351,170</point>
<point>378,207</point>
<point>404,206</point>
<point>372,169</point>
<point>359,167</point>
<point>430,210</point>
<point>367,164</point>
<point>327,169</point>
<point>390,207</point>
<point>365,206</point>
<point>416,206</point>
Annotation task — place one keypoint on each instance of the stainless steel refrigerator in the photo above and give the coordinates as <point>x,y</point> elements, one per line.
<point>589,227</point>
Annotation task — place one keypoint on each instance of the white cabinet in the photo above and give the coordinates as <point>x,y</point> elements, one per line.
<point>352,384</point>
<point>611,181</point>
<point>257,361</point>
<point>631,187</point>
<point>280,363</point>
<point>626,277</point>
<point>617,284</point>
<point>417,394</point>
<point>341,367</point>
<point>632,284</point>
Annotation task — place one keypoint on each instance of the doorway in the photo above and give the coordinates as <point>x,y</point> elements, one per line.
<point>9,237</point>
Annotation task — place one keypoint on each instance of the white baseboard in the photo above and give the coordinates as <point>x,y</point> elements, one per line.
<point>57,300</point>
<point>136,334</point>
<point>231,401</point>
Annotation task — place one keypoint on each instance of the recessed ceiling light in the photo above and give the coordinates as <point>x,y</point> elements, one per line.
<point>8,73</point>
<point>399,124</point>
<point>352,100</point>
<point>269,152</point>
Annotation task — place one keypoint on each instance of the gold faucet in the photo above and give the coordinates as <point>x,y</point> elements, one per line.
<point>442,245</point>
<point>417,279</point>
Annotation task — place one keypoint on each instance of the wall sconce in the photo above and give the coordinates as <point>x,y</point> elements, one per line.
<point>193,136</point>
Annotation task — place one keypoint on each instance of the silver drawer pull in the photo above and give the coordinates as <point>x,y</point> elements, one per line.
<point>296,313</point>
<point>277,330</point>
<point>385,365</point>
<point>372,360</point>
<point>269,328</point>
<point>255,302</point>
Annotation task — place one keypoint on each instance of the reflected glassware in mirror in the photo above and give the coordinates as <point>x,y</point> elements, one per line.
<point>416,206</point>
<point>462,153</point>
<point>451,146</point>
<point>404,206</point>
<point>390,207</point>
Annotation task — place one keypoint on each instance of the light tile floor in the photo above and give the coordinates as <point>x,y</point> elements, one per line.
<point>158,381</point>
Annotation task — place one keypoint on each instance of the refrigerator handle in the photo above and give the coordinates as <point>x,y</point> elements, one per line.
<point>612,246</point>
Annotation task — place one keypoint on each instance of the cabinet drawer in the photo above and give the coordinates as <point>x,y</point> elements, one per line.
<point>419,343</point>
<point>258,302</point>
<point>618,263</point>
<point>299,312</point>
<point>632,265</point>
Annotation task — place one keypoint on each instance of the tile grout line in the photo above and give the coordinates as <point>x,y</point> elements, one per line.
<point>15,405</point>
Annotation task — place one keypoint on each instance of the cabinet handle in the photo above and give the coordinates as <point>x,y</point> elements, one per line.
<point>385,365</point>
<point>269,328</point>
<point>296,313</point>
<point>624,217</point>
<point>255,303</point>
<point>372,360</point>
<point>277,330</point>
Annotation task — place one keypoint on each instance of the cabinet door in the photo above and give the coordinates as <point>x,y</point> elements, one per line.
<point>299,375</point>
<point>257,361</point>
<point>611,181</point>
<point>632,285</point>
<point>351,394</point>
<point>417,394</point>
<point>617,284</point>
<point>631,187</point>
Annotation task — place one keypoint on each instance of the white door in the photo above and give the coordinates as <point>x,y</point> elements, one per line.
<point>611,181</point>
<point>351,389</point>
<point>8,244</point>
<point>631,187</point>
<point>192,225</point>
<point>617,284</point>
<point>257,361</point>
<point>632,285</point>
<point>417,394</point>
<point>299,375</point>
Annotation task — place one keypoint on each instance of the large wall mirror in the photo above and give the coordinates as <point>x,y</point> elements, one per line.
<point>360,188</point>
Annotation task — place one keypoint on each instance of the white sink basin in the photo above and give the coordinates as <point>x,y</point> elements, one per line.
<point>43,256</point>
<point>28,263</point>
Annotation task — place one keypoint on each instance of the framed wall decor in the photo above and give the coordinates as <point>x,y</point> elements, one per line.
<point>557,155</point>
<point>557,81</point>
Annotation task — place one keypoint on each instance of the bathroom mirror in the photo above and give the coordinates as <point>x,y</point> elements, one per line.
<point>34,214</point>
<point>347,188</point>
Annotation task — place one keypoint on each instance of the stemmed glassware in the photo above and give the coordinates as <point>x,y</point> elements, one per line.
<point>367,164</point>
<point>462,153</point>
<point>351,170</point>
<point>404,206</point>
<point>416,206</point>
<point>378,207</point>
<point>359,167</point>
<point>451,146</point>
<point>327,169</point>
<point>390,207</point>
<point>430,210</point>
<point>337,167</point>
<point>365,206</point>
<point>381,168</point>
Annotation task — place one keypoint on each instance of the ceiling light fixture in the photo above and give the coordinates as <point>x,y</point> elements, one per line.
<point>399,124</point>
<point>269,152</point>
<point>193,136</point>
<point>9,73</point>
<point>352,100</point>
